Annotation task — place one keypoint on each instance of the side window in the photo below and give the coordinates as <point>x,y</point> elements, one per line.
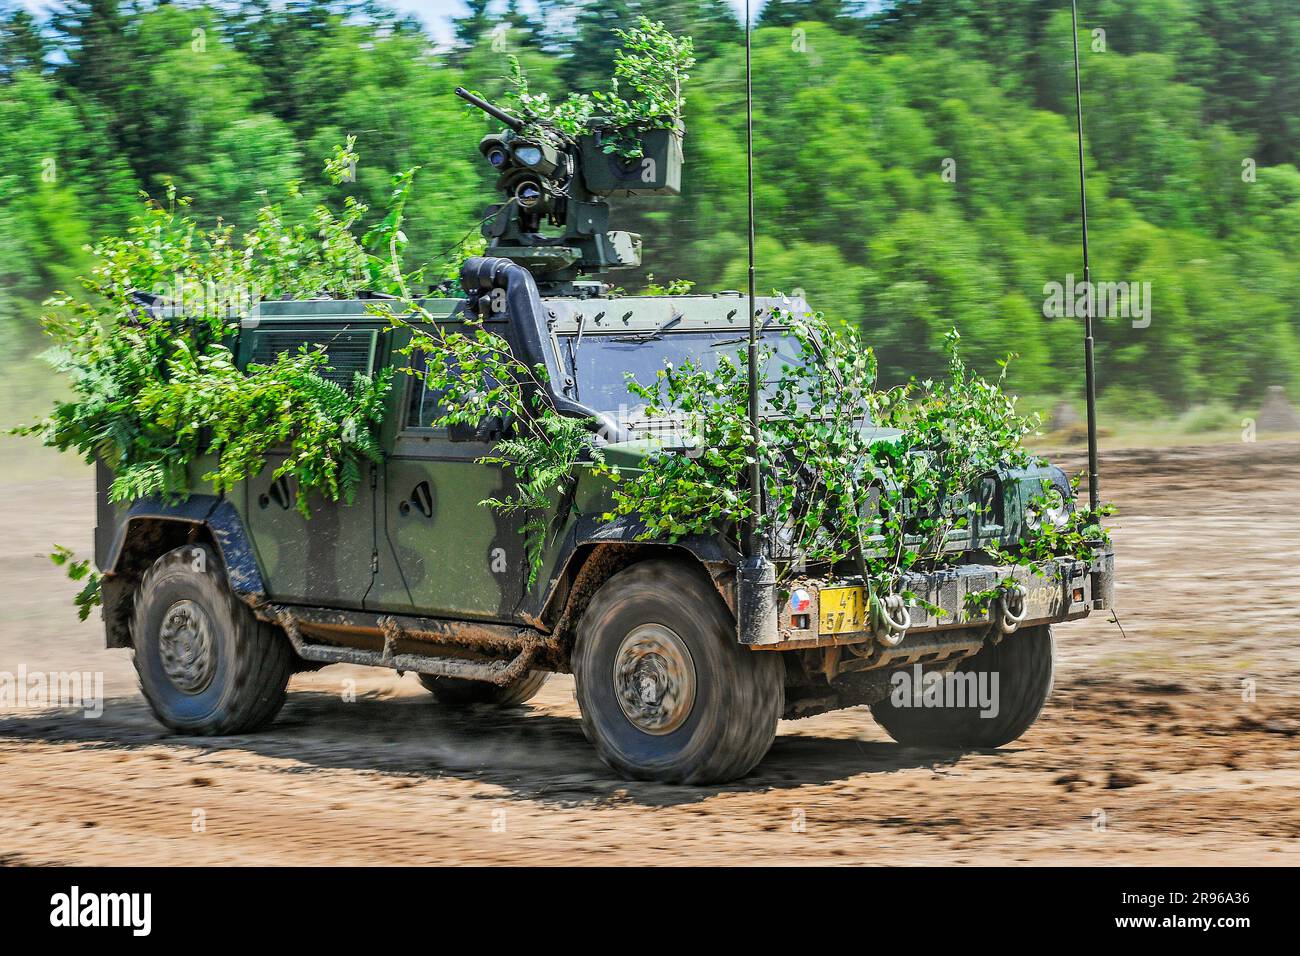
<point>424,405</point>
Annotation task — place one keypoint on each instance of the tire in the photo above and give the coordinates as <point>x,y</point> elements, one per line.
<point>458,692</point>
<point>206,664</point>
<point>696,707</point>
<point>1023,663</point>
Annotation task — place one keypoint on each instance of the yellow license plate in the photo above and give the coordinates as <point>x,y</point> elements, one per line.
<point>842,610</point>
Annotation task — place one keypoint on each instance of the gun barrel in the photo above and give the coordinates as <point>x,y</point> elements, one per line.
<point>514,122</point>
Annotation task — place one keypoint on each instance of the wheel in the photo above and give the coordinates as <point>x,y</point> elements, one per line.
<point>666,692</point>
<point>458,692</point>
<point>206,664</point>
<point>1022,665</point>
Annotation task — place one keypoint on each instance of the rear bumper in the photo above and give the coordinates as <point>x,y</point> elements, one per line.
<point>1059,590</point>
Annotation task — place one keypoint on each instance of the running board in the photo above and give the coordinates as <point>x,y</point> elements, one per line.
<point>500,672</point>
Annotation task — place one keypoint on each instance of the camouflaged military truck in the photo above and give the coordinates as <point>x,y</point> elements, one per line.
<point>683,663</point>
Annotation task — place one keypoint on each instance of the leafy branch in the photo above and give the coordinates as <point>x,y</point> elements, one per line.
<point>155,385</point>
<point>650,68</point>
<point>837,486</point>
<point>89,597</point>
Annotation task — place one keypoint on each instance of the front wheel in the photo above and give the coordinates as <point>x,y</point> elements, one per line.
<point>207,665</point>
<point>665,690</point>
<point>988,701</point>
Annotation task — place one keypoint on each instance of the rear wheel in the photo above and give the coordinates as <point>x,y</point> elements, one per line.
<point>458,692</point>
<point>207,665</point>
<point>1014,678</point>
<point>666,692</point>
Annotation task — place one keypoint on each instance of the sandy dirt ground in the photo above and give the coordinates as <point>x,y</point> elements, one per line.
<point>1172,742</point>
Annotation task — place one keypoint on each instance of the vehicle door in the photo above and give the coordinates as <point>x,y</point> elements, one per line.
<point>329,557</point>
<point>457,557</point>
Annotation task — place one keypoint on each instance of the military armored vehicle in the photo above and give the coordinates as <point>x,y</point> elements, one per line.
<point>683,658</point>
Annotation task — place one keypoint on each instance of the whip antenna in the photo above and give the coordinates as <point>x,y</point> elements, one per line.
<point>755,470</point>
<point>756,614</point>
<point>1090,373</point>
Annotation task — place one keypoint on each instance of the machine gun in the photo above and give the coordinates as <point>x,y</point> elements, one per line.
<point>549,178</point>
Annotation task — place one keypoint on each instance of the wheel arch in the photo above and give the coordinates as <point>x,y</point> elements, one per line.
<point>593,562</point>
<point>151,529</point>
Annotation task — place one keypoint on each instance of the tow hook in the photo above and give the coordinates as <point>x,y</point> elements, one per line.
<point>1011,610</point>
<point>890,620</point>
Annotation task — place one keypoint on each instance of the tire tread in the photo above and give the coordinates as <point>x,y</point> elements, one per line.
<point>1025,664</point>
<point>263,658</point>
<point>752,684</point>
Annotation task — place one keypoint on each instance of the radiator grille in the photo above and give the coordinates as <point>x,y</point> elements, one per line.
<point>348,351</point>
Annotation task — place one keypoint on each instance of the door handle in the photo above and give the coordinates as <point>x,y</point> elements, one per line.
<point>279,493</point>
<point>421,499</point>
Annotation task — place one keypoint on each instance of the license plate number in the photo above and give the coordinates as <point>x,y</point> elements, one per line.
<point>842,610</point>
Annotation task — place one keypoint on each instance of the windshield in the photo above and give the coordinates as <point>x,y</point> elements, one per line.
<point>603,361</point>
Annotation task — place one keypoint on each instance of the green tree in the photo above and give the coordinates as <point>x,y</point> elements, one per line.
<point>21,45</point>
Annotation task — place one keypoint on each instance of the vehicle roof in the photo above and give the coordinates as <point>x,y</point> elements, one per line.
<point>721,310</point>
<point>322,311</point>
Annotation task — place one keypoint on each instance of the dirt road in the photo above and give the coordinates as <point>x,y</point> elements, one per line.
<point>1176,743</point>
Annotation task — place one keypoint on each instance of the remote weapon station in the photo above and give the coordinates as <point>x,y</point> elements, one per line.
<point>552,179</point>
